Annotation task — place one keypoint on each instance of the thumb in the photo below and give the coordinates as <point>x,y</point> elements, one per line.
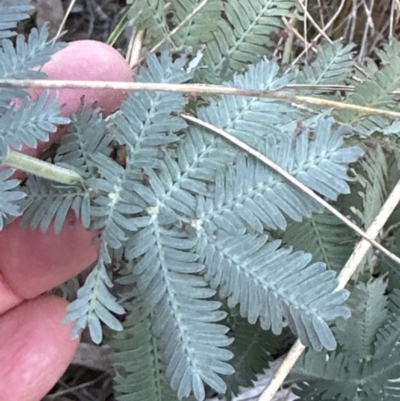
<point>36,348</point>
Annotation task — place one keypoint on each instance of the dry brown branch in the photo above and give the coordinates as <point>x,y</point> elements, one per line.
<point>196,89</point>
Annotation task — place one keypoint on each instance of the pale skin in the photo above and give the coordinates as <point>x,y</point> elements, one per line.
<point>35,346</point>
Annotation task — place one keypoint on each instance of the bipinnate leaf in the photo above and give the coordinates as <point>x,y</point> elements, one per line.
<point>10,197</point>
<point>11,13</point>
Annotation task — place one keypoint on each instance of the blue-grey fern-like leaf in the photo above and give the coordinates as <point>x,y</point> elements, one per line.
<point>22,61</point>
<point>10,197</point>
<point>180,203</point>
<point>31,121</point>
<point>200,154</point>
<point>185,315</point>
<point>85,137</point>
<point>4,149</point>
<point>94,304</point>
<point>254,198</point>
<point>252,119</point>
<point>322,164</point>
<point>149,119</point>
<point>191,169</point>
<point>19,62</point>
<point>114,205</point>
<point>7,94</point>
<point>48,203</point>
<point>272,284</point>
<point>11,13</point>
<point>252,195</point>
<point>145,122</point>
<point>332,66</point>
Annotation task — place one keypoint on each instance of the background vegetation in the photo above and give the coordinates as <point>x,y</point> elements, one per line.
<point>336,54</point>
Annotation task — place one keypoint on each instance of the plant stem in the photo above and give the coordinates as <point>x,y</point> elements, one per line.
<point>42,169</point>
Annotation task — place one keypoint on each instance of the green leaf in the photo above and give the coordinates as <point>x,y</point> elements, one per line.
<point>140,370</point>
<point>199,29</point>
<point>252,351</point>
<point>366,366</point>
<point>368,305</point>
<point>325,236</point>
<point>150,15</point>
<point>375,91</point>
<point>243,36</point>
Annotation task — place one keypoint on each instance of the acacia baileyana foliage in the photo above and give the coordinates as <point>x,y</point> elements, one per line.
<point>219,256</point>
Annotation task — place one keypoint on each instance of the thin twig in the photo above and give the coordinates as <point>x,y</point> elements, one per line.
<point>282,372</point>
<point>369,25</point>
<point>69,390</point>
<point>66,15</point>
<point>315,40</point>
<point>373,231</point>
<point>293,31</point>
<point>391,19</point>
<point>311,19</point>
<point>288,43</point>
<point>348,270</point>
<point>293,180</point>
<point>195,89</point>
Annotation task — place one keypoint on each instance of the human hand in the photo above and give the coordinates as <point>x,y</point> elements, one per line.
<point>35,347</point>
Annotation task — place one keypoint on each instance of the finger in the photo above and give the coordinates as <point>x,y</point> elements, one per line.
<point>8,299</point>
<point>88,60</point>
<point>32,262</point>
<point>36,348</point>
